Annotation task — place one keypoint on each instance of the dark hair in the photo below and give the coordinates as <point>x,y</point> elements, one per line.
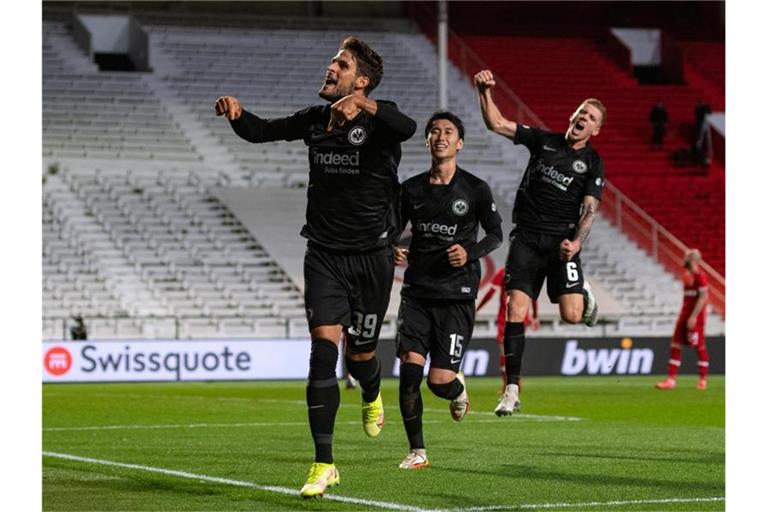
<point>369,62</point>
<point>444,114</point>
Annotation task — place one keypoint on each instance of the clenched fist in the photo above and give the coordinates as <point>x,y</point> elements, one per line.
<point>229,106</point>
<point>484,80</point>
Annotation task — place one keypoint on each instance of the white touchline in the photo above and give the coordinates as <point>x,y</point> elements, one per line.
<point>227,481</point>
<point>536,506</point>
<point>519,418</point>
<point>514,417</point>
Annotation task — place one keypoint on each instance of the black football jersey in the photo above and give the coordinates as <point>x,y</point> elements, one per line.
<point>441,216</point>
<point>555,182</point>
<point>353,190</point>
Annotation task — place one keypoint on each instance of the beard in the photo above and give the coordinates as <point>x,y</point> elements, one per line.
<point>336,93</point>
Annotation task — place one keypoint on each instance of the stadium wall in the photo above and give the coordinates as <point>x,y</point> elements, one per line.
<point>277,359</point>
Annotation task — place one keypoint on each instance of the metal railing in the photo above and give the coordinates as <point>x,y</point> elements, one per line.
<point>657,241</point>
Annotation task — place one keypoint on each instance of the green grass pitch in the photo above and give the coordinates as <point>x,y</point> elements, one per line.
<point>584,443</point>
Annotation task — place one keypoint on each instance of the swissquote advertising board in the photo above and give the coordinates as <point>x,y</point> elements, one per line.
<point>248,359</point>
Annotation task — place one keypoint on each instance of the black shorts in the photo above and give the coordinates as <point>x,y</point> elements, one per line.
<point>442,329</point>
<point>534,256</point>
<point>351,290</point>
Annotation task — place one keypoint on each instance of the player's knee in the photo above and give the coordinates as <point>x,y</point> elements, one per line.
<point>410,377</point>
<point>571,315</point>
<point>322,360</point>
<point>442,389</point>
<point>571,311</point>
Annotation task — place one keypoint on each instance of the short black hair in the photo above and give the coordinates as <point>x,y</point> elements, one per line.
<point>369,62</point>
<point>444,114</point>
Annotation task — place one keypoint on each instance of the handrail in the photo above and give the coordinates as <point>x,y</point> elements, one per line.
<point>654,238</point>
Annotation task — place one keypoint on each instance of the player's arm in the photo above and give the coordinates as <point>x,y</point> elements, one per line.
<point>492,116</point>
<point>569,248</point>
<point>490,221</point>
<point>255,129</point>
<point>701,301</point>
<point>491,240</point>
<point>348,107</point>
<point>400,251</point>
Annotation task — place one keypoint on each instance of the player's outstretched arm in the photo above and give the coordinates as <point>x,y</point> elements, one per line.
<point>255,129</point>
<point>229,106</point>
<point>492,116</point>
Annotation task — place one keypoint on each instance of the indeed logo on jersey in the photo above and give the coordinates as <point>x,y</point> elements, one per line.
<point>553,176</point>
<point>333,158</point>
<point>440,229</point>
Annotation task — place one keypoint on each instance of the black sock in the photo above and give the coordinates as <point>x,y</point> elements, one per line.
<point>322,397</point>
<point>514,346</point>
<point>411,406</point>
<point>448,391</point>
<point>368,374</point>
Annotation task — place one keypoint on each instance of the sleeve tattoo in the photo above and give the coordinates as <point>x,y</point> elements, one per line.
<point>588,211</point>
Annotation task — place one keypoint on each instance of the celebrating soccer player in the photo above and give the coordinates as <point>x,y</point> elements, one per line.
<point>445,205</point>
<point>554,210</point>
<point>351,224</point>
<point>689,329</point>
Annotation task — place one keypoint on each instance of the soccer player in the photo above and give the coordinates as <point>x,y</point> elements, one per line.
<point>351,222</point>
<point>445,205</point>
<point>554,210</point>
<point>689,329</point>
<point>531,318</point>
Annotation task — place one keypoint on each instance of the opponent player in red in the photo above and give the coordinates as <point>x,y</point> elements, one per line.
<point>532,320</point>
<point>689,329</point>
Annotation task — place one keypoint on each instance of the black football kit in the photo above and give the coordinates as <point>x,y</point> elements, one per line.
<point>437,308</point>
<point>547,209</point>
<point>352,211</point>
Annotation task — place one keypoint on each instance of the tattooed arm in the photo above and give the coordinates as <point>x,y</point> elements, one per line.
<point>569,248</point>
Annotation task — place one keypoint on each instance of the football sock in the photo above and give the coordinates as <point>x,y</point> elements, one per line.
<point>703,362</point>
<point>514,346</point>
<point>322,397</point>
<point>448,391</point>
<point>674,361</point>
<point>411,406</point>
<point>368,374</point>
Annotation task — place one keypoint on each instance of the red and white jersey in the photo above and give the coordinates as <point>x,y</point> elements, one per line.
<point>694,284</point>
